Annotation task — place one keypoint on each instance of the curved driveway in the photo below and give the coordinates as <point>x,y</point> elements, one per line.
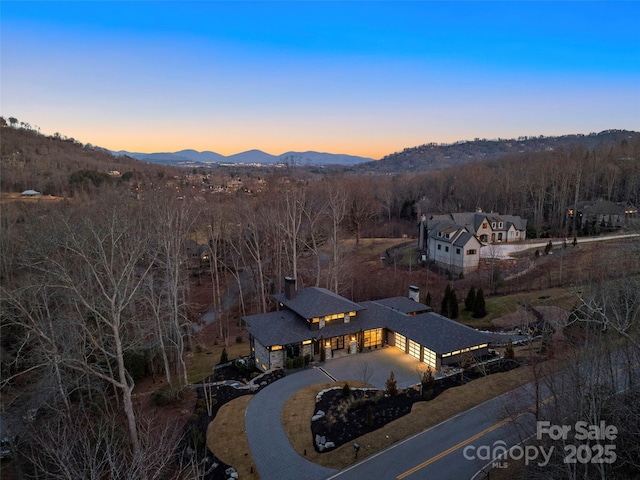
<point>272,453</point>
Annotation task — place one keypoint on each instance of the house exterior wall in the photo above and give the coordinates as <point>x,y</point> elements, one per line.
<point>307,349</point>
<point>276,359</point>
<point>261,356</point>
<point>447,256</point>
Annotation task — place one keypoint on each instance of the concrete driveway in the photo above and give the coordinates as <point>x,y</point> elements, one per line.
<point>376,365</point>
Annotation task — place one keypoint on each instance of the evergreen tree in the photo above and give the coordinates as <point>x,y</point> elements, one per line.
<point>453,305</point>
<point>444,307</point>
<point>427,300</point>
<point>479,308</point>
<point>470,300</point>
<point>391,385</point>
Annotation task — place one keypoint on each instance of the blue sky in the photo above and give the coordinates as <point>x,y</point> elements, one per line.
<point>364,78</point>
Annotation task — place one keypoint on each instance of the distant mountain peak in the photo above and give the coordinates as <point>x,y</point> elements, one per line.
<point>254,156</point>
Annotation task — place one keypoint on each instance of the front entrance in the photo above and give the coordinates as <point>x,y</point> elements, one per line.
<point>337,343</point>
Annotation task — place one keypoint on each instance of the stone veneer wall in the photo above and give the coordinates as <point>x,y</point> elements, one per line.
<point>261,356</point>
<point>277,358</point>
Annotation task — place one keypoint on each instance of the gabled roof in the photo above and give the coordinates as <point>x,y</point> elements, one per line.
<point>473,220</point>
<point>463,239</point>
<point>313,302</point>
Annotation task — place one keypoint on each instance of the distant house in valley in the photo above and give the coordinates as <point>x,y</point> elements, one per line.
<point>30,193</point>
<point>318,323</point>
<point>600,215</point>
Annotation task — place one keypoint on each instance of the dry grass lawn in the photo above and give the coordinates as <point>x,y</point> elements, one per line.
<point>200,365</point>
<point>226,437</point>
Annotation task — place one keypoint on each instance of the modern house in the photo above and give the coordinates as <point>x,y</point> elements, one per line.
<point>317,322</point>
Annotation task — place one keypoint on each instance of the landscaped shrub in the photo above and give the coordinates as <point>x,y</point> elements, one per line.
<point>391,385</point>
<point>346,391</point>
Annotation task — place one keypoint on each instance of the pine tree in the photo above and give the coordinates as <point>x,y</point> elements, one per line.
<point>453,305</point>
<point>444,307</point>
<point>391,385</point>
<point>479,308</point>
<point>470,300</point>
<point>224,357</point>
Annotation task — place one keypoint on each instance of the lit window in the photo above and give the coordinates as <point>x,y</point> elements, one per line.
<point>472,251</point>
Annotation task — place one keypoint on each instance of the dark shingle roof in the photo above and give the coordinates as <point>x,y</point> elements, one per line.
<point>434,331</point>
<point>404,305</point>
<point>313,302</point>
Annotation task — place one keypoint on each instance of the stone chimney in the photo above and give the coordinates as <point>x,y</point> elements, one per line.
<point>414,293</point>
<point>289,288</point>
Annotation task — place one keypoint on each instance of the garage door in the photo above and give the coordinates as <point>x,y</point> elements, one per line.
<point>414,349</point>
<point>401,342</point>
<point>429,358</point>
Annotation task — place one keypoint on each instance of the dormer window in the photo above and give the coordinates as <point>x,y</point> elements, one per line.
<point>500,225</point>
<point>493,224</point>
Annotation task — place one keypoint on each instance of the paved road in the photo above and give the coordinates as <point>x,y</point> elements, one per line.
<point>439,452</point>
<point>504,250</point>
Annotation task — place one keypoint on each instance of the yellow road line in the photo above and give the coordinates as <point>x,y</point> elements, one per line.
<point>454,448</point>
<point>470,439</point>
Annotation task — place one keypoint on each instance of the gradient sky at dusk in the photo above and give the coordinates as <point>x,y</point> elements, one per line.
<point>344,77</point>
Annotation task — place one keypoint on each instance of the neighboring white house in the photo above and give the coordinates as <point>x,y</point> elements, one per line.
<point>488,227</point>
<point>453,247</point>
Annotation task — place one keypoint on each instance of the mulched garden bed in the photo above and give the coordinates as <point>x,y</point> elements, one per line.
<point>193,447</point>
<point>362,411</point>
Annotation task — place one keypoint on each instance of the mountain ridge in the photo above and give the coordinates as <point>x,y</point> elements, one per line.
<point>434,156</point>
<point>254,156</point>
